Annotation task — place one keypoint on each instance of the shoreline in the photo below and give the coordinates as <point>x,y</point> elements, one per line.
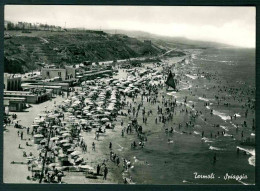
<point>116,174</point>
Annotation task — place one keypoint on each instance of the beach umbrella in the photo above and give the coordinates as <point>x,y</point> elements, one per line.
<point>70,150</point>
<point>105,119</point>
<point>70,109</point>
<point>80,159</point>
<point>66,144</point>
<point>38,135</point>
<point>54,138</point>
<point>75,153</point>
<point>60,174</point>
<point>66,134</point>
<point>107,113</point>
<point>64,141</point>
<point>53,165</point>
<point>62,155</point>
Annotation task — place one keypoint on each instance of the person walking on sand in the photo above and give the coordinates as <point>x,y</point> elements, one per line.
<point>110,145</point>
<point>21,135</point>
<point>98,169</point>
<point>105,173</point>
<point>93,146</point>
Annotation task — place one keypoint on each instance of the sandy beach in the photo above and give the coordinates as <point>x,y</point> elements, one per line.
<point>191,140</point>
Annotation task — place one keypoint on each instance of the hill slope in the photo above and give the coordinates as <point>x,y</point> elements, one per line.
<point>24,52</point>
<point>171,42</point>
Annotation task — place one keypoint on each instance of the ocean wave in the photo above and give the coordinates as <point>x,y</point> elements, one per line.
<point>251,160</point>
<point>224,127</point>
<point>233,124</point>
<point>224,61</point>
<point>206,140</point>
<point>249,151</point>
<point>227,135</point>
<point>215,148</point>
<point>221,115</point>
<point>203,99</point>
<point>237,115</point>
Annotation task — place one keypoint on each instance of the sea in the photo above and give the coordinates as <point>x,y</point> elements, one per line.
<point>179,157</point>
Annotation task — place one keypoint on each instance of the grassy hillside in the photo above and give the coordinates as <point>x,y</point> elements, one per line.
<point>24,52</point>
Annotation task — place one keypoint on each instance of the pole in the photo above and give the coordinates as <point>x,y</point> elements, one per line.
<point>45,156</point>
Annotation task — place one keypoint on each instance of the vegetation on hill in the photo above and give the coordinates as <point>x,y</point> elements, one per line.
<point>24,52</point>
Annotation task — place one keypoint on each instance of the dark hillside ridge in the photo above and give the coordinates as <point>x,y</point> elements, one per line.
<point>24,52</point>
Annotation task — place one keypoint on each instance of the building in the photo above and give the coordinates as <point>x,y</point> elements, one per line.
<point>55,88</point>
<point>12,82</point>
<point>30,97</point>
<point>14,103</point>
<point>91,75</point>
<point>63,74</point>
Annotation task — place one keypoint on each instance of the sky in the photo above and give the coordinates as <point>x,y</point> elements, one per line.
<point>229,25</point>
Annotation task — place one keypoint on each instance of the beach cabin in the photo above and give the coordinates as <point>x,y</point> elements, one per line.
<point>37,138</point>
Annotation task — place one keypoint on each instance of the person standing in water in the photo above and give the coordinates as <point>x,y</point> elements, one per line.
<point>215,158</point>
<point>93,146</point>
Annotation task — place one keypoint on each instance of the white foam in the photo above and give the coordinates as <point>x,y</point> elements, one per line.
<point>227,135</point>
<point>237,115</point>
<point>196,132</point>
<point>207,107</point>
<point>224,61</point>
<point>252,134</point>
<point>221,115</point>
<point>233,124</point>
<point>249,151</point>
<point>203,99</point>
<point>215,148</point>
<point>251,160</point>
<point>223,127</point>
<point>206,140</point>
